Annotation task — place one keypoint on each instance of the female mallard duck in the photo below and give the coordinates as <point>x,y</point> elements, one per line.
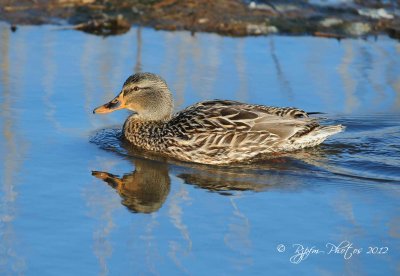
<point>211,132</point>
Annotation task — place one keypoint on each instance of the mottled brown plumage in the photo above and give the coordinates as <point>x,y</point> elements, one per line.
<point>211,132</point>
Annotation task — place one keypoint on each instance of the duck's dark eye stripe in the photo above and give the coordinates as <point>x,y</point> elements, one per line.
<point>133,89</point>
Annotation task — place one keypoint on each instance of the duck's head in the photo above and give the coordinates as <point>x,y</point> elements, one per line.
<point>144,93</point>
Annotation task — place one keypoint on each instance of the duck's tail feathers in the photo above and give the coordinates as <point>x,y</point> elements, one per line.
<point>318,135</point>
<point>329,130</point>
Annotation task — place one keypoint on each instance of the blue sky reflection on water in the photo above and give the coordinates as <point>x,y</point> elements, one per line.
<point>55,217</point>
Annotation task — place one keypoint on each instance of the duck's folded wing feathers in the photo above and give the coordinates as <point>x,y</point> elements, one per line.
<point>221,117</point>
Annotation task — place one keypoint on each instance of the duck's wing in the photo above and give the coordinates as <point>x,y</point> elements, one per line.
<point>242,121</point>
<point>218,132</point>
<point>287,112</point>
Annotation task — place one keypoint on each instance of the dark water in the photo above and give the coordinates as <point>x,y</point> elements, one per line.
<point>75,200</point>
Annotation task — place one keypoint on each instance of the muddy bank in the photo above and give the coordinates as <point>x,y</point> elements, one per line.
<point>226,17</point>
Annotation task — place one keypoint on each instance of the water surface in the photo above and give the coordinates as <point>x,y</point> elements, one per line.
<point>74,200</point>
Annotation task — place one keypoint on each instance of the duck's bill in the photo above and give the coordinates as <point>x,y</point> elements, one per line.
<point>116,104</point>
<point>111,179</point>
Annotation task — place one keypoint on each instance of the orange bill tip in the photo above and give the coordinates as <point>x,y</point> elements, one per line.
<point>116,104</point>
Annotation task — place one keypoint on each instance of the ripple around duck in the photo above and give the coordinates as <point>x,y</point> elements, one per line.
<point>367,151</point>
<point>109,139</point>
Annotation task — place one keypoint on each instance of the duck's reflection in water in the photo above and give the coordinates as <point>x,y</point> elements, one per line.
<point>145,189</point>
<point>224,182</point>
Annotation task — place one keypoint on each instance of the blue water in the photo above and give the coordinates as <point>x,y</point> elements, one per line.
<point>58,217</point>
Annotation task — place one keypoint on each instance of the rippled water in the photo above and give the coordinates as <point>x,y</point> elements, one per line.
<point>75,200</point>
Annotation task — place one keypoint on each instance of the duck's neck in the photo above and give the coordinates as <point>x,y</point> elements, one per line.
<point>144,134</point>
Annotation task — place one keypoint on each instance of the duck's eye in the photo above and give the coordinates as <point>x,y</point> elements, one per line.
<point>136,88</point>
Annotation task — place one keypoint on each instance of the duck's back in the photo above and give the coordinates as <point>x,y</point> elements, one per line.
<point>217,132</point>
